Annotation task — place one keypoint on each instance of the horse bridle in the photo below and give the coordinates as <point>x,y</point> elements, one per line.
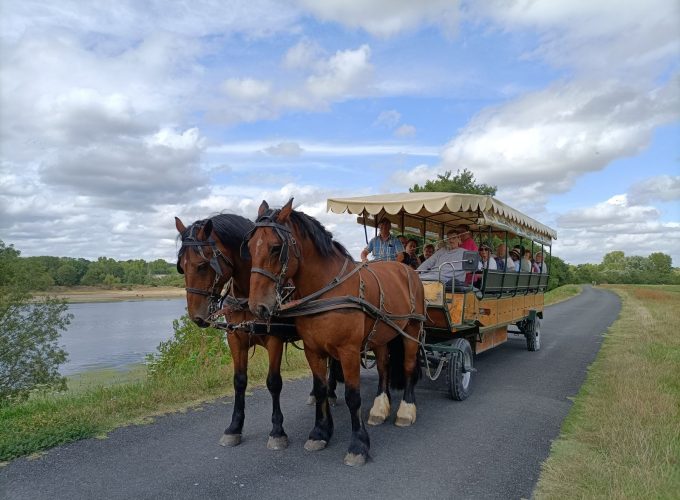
<point>214,293</point>
<point>283,291</point>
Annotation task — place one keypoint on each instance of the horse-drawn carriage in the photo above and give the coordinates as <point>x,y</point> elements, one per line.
<point>284,276</point>
<point>467,321</point>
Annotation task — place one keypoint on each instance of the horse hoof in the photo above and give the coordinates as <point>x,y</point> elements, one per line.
<point>311,400</point>
<point>315,444</point>
<point>375,420</point>
<point>406,414</point>
<point>354,460</point>
<point>230,439</point>
<point>277,443</point>
<point>333,401</point>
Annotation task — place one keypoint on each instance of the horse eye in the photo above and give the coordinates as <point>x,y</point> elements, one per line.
<point>276,249</point>
<point>202,266</point>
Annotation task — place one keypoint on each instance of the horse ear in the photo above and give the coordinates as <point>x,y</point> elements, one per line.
<point>263,208</point>
<point>179,225</point>
<point>206,229</point>
<point>285,212</point>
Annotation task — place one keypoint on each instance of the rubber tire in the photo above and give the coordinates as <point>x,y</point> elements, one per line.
<point>533,334</point>
<point>460,384</point>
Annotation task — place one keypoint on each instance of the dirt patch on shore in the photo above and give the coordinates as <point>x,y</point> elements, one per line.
<point>93,294</point>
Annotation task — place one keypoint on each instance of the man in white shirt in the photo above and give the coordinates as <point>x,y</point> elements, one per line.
<point>452,257</point>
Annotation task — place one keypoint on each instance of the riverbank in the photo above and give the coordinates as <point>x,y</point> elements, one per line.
<point>86,294</point>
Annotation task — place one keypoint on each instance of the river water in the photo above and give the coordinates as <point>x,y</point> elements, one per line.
<point>116,334</point>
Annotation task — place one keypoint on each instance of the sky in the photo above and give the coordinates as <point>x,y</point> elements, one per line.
<point>115,117</point>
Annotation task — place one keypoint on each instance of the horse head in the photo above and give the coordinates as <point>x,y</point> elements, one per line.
<point>208,263</point>
<point>275,258</point>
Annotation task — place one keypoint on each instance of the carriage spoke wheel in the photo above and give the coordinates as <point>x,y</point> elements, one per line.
<point>532,332</point>
<point>459,380</point>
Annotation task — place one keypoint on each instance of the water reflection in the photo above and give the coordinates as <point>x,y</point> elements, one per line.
<point>115,334</point>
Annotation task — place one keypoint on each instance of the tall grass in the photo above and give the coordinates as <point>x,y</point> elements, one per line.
<point>205,372</point>
<point>561,293</point>
<point>622,436</point>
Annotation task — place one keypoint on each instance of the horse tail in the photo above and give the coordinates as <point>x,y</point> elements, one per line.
<point>395,348</point>
<point>335,370</point>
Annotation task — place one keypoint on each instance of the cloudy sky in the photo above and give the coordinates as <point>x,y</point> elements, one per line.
<point>117,116</point>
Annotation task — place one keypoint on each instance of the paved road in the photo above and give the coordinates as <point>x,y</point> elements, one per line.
<point>489,446</point>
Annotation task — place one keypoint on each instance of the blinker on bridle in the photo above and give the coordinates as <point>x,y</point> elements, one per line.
<point>191,241</point>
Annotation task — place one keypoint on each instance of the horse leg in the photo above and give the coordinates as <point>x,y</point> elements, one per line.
<point>381,405</point>
<point>332,381</point>
<point>332,384</point>
<point>406,415</point>
<point>239,352</point>
<point>360,443</point>
<point>323,425</point>
<point>278,440</point>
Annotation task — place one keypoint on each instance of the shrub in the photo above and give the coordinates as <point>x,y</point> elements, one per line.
<point>190,351</point>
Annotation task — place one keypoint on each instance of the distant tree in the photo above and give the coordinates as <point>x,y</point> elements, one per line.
<point>462,182</point>
<point>66,275</point>
<point>586,273</point>
<point>560,273</point>
<point>661,265</point>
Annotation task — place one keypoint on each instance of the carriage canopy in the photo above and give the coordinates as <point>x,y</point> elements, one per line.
<point>433,213</point>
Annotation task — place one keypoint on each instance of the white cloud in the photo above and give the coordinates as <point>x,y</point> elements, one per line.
<point>405,130</point>
<point>389,119</point>
<point>285,149</point>
<point>547,139</point>
<point>346,73</point>
<point>631,39</point>
<point>247,89</point>
<point>303,55</point>
<point>587,234</point>
<point>662,187</point>
<point>387,17</point>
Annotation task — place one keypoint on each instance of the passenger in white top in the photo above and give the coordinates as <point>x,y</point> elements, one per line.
<point>453,254</point>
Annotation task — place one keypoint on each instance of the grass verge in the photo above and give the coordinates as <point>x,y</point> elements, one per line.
<point>92,409</point>
<point>561,293</point>
<point>621,439</point>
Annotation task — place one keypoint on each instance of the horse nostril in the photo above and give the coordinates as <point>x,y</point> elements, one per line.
<point>200,322</point>
<point>263,311</point>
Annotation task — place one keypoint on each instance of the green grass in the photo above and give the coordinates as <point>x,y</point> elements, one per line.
<point>97,403</point>
<point>561,293</point>
<point>622,437</point>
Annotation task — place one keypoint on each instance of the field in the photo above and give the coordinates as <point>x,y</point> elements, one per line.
<point>95,294</point>
<point>622,436</point>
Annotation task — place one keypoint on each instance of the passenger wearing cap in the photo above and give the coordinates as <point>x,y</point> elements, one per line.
<point>514,255</point>
<point>466,240</point>
<point>430,269</point>
<point>384,246</point>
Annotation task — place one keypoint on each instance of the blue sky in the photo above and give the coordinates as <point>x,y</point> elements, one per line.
<point>114,118</point>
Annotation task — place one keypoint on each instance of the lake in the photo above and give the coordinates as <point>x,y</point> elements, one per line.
<point>116,334</point>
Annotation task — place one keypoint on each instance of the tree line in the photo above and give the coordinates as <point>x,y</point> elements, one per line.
<point>41,273</point>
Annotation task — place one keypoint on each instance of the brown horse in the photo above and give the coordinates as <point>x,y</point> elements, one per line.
<point>210,258</point>
<point>341,309</point>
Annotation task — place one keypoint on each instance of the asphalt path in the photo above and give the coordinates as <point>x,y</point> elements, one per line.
<point>489,446</point>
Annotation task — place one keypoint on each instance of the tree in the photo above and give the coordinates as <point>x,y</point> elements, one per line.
<point>30,329</point>
<point>462,182</point>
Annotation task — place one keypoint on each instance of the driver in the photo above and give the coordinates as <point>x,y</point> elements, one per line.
<point>384,246</point>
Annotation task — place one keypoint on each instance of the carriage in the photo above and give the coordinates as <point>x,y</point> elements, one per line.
<point>462,322</point>
<point>284,277</point>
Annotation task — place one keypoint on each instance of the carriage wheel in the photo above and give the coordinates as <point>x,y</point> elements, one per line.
<point>532,332</point>
<point>459,380</point>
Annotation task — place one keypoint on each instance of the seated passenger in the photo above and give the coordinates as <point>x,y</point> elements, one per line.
<point>514,255</point>
<point>428,250</point>
<point>384,246</point>
<point>503,260</point>
<point>525,265</point>
<point>410,257</point>
<point>539,265</point>
<point>486,261</point>
<point>453,254</point>
<point>466,240</point>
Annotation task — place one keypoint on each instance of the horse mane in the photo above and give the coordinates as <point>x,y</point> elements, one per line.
<point>313,230</point>
<point>231,229</point>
